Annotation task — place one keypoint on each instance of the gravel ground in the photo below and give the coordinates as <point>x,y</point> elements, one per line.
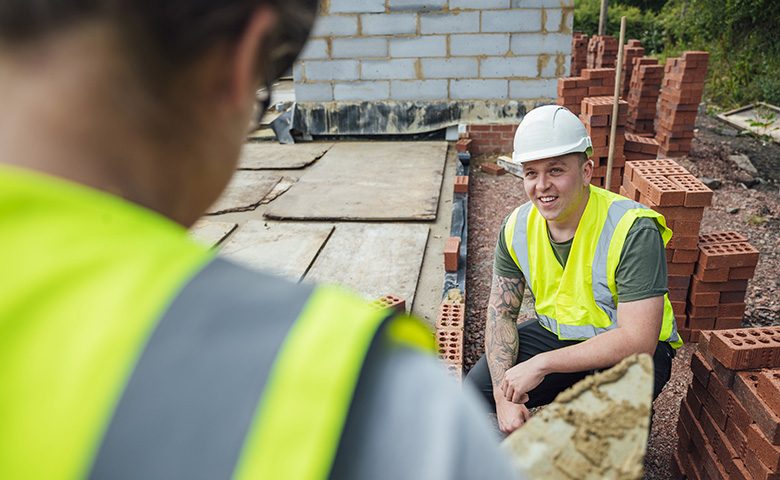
<point>755,212</point>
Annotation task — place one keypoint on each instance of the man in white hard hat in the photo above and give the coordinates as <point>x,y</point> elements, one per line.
<point>595,265</point>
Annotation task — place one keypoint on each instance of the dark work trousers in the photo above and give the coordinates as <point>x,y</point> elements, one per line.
<point>535,339</point>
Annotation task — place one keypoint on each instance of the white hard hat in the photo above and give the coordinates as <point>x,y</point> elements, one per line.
<point>549,131</point>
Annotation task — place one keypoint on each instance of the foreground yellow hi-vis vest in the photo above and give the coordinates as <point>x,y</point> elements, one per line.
<point>128,351</point>
<point>580,301</point>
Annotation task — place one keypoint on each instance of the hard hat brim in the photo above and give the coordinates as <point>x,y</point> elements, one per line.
<point>585,145</point>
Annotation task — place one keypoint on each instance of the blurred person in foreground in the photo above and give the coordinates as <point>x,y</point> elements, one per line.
<point>127,350</point>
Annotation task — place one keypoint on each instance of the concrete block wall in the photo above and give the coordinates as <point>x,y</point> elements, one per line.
<point>435,50</point>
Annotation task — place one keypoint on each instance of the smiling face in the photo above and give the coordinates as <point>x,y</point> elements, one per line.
<point>558,186</point>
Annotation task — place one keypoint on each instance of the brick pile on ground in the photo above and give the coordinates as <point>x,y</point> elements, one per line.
<point>639,148</point>
<point>597,117</point>
<point>593,82</point>
<point>602,51</point>
<point>729,423</point>
<point>681,93</point>
<point>672,191</point>
<point>494,138</point>
<point>643,92</point>
<point>449,336</point>
<point>579,54</point>
<point>632,50</point>
<point>717,295</point>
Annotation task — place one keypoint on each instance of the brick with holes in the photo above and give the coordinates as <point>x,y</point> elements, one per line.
<point>749,348</point>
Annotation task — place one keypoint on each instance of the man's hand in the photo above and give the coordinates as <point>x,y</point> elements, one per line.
<point>511,416</point>
<point>522,378</point>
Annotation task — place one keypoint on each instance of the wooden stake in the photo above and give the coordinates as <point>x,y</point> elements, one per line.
<point>603,17</point>
<point>616,103</point>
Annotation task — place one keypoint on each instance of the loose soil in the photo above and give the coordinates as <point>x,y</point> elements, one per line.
<point>754,212</point>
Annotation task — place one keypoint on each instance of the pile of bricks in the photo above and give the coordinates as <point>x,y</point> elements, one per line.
<point>631,51</point>
<point>593,82</point>
<point>640,148</point>
<point>495,138</point>
<point>729,424</point>
<point>579,54</point>
<point>390,301</point>
<point>671,190</point>
<point>449,336</point>
<point>597,117</point>
<point>602,51</point>
<point>717,297</point>
<point>644,89</point>
<point>681,93</point>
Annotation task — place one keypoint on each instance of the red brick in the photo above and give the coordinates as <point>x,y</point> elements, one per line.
<point>710,299</point>
<point>721,237</point>
<point>682,214</point>
<point>703,322</point>
<point>492,169</point>
<point>732,297</point>
<point>758,470</point>
<point>449,343</point>
<point>461,184</point>
<point>680,269</point>
<point>731,310</point>
<point>678,308</point>
<point>686,242</point>
<point>725,375</point>
<point>739,471</point>
<point>720,444</point>
<point>703,312</point>
<point>712,275</point>
<point>742,273</point>
<point>678,294</point>
<point>728,323</point>
<point>769,388</point>
<point>697,194</point>
<point>700,370</point>
<point>451,254</point>
<point>728,255</point>
<point>679,281</point>
<point>688,228</point>
<point>748,348</point>
<point>662,191</point>
<point>766,452</point>
<point>451,316</point>
<point>685,256</point>
<point>737,436</point>
<point>390,301</point>
<point>745,387</point>
<point>462,145</point>
<point>730,286</point>
<point>736,413</point>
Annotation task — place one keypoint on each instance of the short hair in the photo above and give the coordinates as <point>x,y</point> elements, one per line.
<point>164,34</point>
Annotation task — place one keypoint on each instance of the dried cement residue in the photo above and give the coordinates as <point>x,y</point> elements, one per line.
<point>596,429</point>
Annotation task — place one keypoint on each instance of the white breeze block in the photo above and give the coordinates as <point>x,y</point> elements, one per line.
<point>479,44</point>
<point>463,67</point>
<point>361,91</point>
<point>335,26</point>
<point>503,67</point>
<point>479,89</point>
<point>388,69</point>
<point>520,89</point>
<point>357,6</point>
<point>512,21</point>
<point>418,89</point>
<point>458,22</point>
<point>388,23</point>
<point>313,92</point>
<point>424,46</point>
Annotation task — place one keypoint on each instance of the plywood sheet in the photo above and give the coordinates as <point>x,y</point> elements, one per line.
<point>275,156</point>
<point>373,259</point>
<point>211,233</point>
<point>245,192</point>
<point>285,249</point>
<point>761,118</point>
<point>368,181</point>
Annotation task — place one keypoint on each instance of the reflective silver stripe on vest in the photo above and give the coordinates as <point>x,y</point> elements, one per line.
<point>190,401</point>
<point>520,242</point>
<point>601,292</point>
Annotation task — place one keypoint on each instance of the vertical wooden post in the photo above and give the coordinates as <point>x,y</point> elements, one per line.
<point>603,17</point>
<point>616,103</point>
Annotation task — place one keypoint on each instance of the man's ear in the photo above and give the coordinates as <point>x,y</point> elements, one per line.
<point>247,58</point>
<point>587,171</point>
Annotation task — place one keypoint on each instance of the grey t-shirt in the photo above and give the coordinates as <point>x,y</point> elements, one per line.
<point>411,421</point>
<point>641,272</point>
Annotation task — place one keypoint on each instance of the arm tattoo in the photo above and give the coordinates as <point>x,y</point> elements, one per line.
<point>501,341</point>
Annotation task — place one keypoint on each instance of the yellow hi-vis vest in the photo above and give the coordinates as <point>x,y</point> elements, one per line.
<point>128,351</point>
<point>579,301</point>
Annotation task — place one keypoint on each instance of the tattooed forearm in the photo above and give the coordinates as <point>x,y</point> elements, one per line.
<point>501,342</point>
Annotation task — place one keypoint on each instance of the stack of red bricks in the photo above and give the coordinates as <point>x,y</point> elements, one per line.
<point>579,53</point>
<point>729,424</point>
<point>631,51</point>
<point>602,51</point>
<point>495,138</point>
<point>449,336</point>
<point>671,190</point>
<point>593,82</point>
<point>643,92</point>
<point>597,117</point>
<point>717,297</point>
<point>681,93</point>
<point>640,148</point>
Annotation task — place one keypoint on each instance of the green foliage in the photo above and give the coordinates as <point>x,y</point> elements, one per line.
<point>744,62</point>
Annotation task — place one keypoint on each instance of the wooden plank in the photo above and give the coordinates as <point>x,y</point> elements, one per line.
<point>284,249</point>
<point>743,117</point>
<point>274,156</point>
<point>373,259</point>
<point>368,181</point>
<point>245,192</point>
<point>211,233</point>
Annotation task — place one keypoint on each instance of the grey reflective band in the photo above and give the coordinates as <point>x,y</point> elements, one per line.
<point>572,332</point>
<point>520,242</point>
<point>191,398</point>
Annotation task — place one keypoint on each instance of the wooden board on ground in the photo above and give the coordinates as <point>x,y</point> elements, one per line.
<point>373,259</point>
<point>761,119</point>
<point>275,156</point>
<point>245,192</point>
<point>211,233</point>
<point>285,249</point>
<point>368,181</point>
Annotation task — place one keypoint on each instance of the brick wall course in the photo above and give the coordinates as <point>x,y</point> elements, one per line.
<point>479,44</point>
<point>397,68</point>
<point>356,6</point>
<point>424,46</point>
<point>534,44</point>
<point>418,89</point>
<point>502,67</point>
<point>335,25</point>
<point>455,22</point>
<point>362,91</point>
<point>359,47</point>
<point>529,20</point>
<point>388,24</point>
<point>450,67</point>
